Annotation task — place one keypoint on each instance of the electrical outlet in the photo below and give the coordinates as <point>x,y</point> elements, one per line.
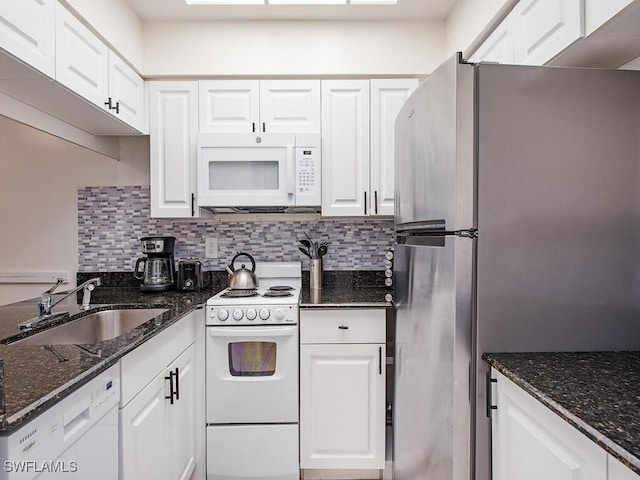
<point>211,247</point>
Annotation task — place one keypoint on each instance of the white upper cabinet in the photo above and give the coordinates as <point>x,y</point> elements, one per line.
<point>126,90</point>
<point>173,129</point>
<point>85,65</point>
<point>27,31</point>
<point>387,98</point>
<point>539,32</point>
<point>543,29</point>
<point>597,12</point>
<point>499,47</point>
<point>345,147</point>
<point>271,106</point>
<point>82,60</point>
<point>290,106</point>
<point>358,149</point>
<point>229,105</point>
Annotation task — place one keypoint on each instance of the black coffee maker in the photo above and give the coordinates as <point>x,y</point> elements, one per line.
<point>158,269</point>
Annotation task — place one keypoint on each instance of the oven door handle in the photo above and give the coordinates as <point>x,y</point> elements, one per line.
<point>254,332</point>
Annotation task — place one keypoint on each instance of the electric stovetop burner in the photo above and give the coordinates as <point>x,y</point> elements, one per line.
<point>280,288</point>
<point>239,293</point>
<point>277,293</point>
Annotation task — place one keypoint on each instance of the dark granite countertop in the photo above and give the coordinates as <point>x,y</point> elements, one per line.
<point>596,392</point>
<point>347,289</point>
<point>33,378</point>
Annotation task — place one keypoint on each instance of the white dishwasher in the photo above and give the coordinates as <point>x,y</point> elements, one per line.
<point>75,438</point>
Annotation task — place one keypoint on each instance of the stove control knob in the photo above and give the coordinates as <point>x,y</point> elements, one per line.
<point>238,314</point>
<point>279,314</point>
<point>223,315</point>
<point>264,313</point>
<point>251,314</point>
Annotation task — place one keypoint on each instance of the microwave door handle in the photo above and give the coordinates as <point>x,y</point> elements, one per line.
<point>291,171</point>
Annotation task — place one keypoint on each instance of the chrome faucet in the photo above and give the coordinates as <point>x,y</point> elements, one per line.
<point>45,305</point>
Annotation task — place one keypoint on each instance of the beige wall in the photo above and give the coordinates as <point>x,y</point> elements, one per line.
<point>259,48</point>
<point>38,198</point>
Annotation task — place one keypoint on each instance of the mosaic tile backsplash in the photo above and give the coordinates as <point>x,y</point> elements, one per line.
<point>111,220</point>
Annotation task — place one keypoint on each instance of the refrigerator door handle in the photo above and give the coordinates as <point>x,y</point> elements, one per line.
<point>409,237</point>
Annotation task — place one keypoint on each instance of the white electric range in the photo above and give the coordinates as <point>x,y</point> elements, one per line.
<point>252,377</point>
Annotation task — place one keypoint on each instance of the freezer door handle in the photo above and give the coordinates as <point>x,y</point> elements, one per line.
<point>490,405</point>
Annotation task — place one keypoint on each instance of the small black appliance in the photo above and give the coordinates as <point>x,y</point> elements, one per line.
<point>190,276</point>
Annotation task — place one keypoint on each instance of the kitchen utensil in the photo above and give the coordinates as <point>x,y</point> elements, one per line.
<point>315,273</point>
<point>322,251</point>
<point>305,251</point>
<point>242,279</point>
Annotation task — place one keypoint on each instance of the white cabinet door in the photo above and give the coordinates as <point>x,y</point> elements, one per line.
<point>144,438</point>
<point>229,106</point>
<point>271,106</point>
<point>342,415</point>
<point>181,418</point>
<point>618,471</point>
<point>290,106</point>
<point>82,62</point>
<point>597,13</point>
<point>499,47</point>
<point>173,129</point>
<point>27,31</point>
<point>126,90</point>
<point>530,442</point>
<point>387,98</point>
<point>543,29</point>
<point>345,147</point>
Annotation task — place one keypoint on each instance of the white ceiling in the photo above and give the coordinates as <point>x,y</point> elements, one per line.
<point>404,10</point>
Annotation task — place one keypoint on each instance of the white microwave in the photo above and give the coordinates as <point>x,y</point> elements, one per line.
<point>259,170</point>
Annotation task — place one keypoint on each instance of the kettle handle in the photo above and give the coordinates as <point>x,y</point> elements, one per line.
<point>136,271</point>
<point>253,262</point>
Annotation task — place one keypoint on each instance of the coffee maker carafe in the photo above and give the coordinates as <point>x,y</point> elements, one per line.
<point>158,270</point>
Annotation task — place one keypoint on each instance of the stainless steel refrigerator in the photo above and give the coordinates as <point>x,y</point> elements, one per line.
<point>517,229</point>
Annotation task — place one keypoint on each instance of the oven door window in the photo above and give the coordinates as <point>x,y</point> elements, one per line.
<point>252,359</point>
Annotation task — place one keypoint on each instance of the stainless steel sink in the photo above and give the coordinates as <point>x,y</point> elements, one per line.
<point>94,328</point>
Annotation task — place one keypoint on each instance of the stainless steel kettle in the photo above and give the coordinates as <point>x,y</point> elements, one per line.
<point>242,279</point>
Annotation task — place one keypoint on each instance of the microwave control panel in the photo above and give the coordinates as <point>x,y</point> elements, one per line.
<point>308,192</point>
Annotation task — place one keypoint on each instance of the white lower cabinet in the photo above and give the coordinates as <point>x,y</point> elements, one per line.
<point>157,425</point>
<point>342,389</point>
<point>618,471</point>
<point>530,442</point>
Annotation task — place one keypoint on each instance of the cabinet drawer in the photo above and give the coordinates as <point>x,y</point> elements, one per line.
<point>343,326</point>
<point>140,366</point>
